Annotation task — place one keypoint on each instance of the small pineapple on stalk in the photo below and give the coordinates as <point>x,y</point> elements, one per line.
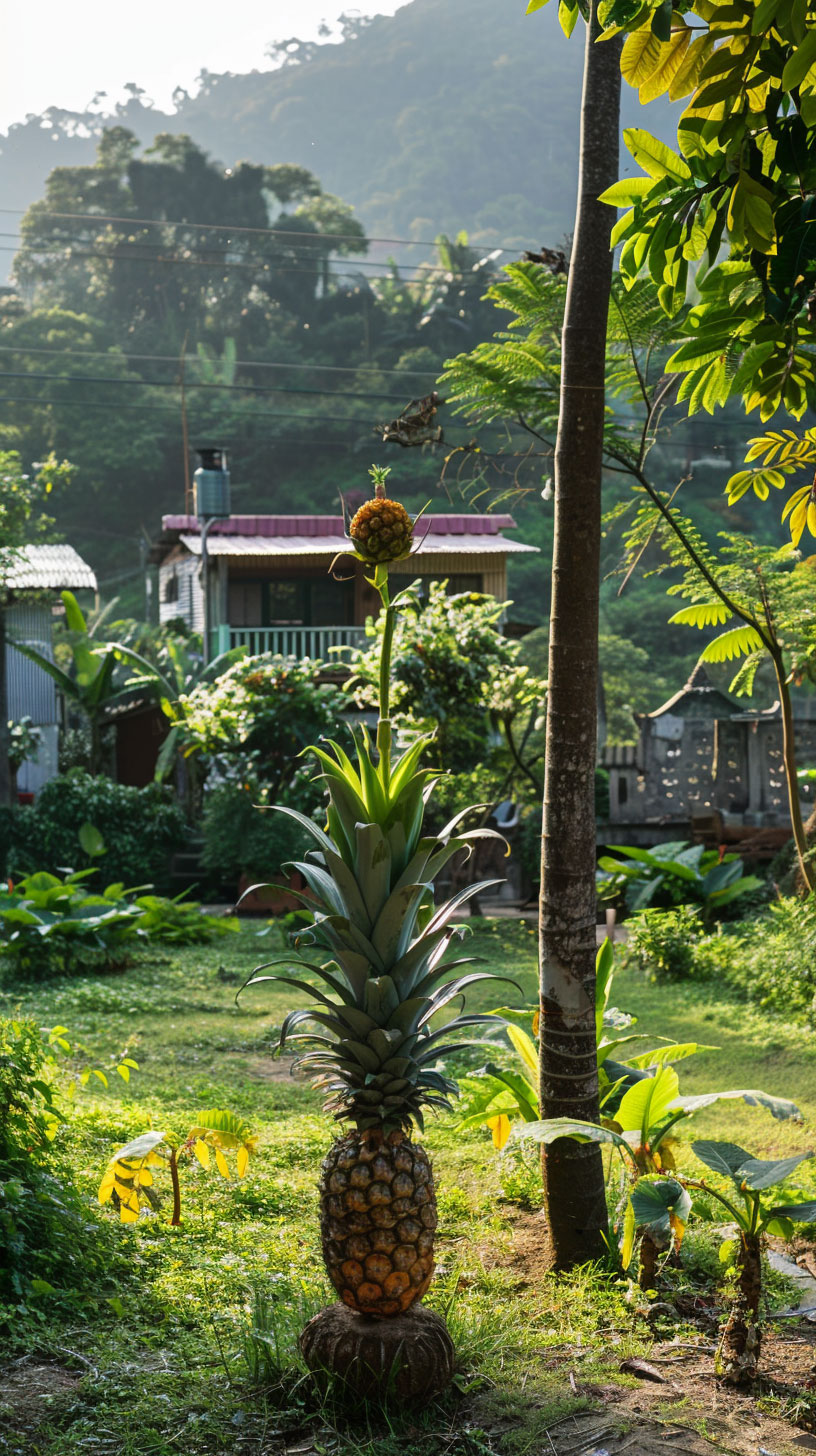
<point>378,953</point>
<point>381,530</point>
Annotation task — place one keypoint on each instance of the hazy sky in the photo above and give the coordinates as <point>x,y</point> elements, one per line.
<point>61,52</point>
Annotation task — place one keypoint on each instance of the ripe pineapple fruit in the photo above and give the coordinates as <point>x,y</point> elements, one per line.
<point>377,945</point>
<point>382,530</point>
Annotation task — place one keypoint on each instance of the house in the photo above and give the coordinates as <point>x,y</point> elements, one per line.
<point>33,577</point>
<point>270,586</point>
<point>703,766</point>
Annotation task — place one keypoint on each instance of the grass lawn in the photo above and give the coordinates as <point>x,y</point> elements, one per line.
<point>188,1345</point>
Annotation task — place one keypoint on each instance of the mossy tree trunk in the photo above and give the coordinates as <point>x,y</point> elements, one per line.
<point>574,1193</point>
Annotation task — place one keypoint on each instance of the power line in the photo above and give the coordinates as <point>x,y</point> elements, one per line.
<point>68,253</point>
<point>230,228</point>
<point>238,363</point>
<point>151,252</point>
<point>173,384</point>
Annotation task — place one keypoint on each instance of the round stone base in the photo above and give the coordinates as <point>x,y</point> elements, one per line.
<point>410,1356</point>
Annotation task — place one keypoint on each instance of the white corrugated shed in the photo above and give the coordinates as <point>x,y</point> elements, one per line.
<point>45,568</point>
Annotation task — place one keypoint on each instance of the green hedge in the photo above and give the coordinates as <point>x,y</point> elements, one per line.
<point>141,828</point>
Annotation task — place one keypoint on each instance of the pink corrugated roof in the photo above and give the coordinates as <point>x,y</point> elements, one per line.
<point>463,525</point>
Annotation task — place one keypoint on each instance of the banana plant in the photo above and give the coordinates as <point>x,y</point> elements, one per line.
<point>646,1114</point>
<point>738,1354</point>
<point>504,1096</point>
<point>90,685</point>
<point>129,1174</point>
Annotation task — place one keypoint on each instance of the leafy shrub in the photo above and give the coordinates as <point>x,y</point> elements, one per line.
<point>179,921</point>
<point>46,1236</point>
<point>57,926</point>
<point>53,926</point>
<point>665,943</point>
<point>255,718</point>
<point>241,838</point>
<point>674,873</point>
<point>141,829</point>
<point>770,960</point>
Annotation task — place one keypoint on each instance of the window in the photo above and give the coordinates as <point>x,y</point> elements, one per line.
<point>245,603</point>
<point>171,588</point>
<point>457,582</point>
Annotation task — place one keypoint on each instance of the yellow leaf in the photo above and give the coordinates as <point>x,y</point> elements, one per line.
<point>640,55</point>
<point>243,1161</point>
<point>685,79</point>
<point>536,1022</point>
<point>500,1128</point>
<point>202,1152</point>
<point>106,1186</point>
<point>221,1163</point>
<point>811,518</point>
<point>127,1214</point>
<point>798,521</point>
<point>669,62</point>
<point>145,1178</point>
<point>124,1072</point>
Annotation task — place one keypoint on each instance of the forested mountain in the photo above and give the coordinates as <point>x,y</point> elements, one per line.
<point>245,269</point>
<point>451,114</point>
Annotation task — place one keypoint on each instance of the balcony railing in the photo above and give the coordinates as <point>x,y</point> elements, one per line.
<point>314,642</point>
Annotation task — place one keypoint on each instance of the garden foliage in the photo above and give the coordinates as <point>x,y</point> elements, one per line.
<point>52,925</point>
<point>674,873</point>
<point>770,959</point>
<point>141,829</point>
<point>46,1235</point>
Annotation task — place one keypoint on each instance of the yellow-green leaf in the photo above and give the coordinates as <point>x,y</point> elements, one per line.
<point>106,1186</point>
<point>500,1128</point>
<point>654,156</point>
<point>221,1163</point>
<point>640,55</point>
<point>525,1048</point>
<point>687,74</point>
<point>737,642</point>
<point>704,614</point>
<point>800,62</point>
<point>243,1161</point>
<point>669,63</point>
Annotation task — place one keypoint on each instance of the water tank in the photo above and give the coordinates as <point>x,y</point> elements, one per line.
<point>212,485</point>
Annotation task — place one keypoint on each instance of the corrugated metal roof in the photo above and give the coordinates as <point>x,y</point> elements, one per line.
<point>46,568</point>
<point>439,525</point>
<point>269,546</point>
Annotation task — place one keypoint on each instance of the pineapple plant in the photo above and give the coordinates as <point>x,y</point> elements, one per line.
<point>373,1042</point>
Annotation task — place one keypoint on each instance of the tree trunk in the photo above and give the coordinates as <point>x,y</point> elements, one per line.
<point>574,1194</point>
<point>738,1356</point>
<point>807,872</point>
<point>648,1262</point>
<point>6,797</point>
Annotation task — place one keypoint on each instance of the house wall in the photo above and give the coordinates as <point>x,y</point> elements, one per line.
<point>179,573</point>
<point>179,576</point>
<point>31,692</point>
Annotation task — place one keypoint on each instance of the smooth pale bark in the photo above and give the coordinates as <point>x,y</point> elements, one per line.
<point>574,1196</point>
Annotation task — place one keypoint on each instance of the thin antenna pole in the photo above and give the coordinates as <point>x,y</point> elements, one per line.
<point>188,489</point>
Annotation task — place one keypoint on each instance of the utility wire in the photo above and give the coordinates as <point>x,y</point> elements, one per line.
<point>237,363</point>
<point>173,384</point>
<point>229,228</point>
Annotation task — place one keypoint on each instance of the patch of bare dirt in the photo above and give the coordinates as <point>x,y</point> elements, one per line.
<point>29,1391</point>
<point>271,1069</point>
<point>677,1404</point>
